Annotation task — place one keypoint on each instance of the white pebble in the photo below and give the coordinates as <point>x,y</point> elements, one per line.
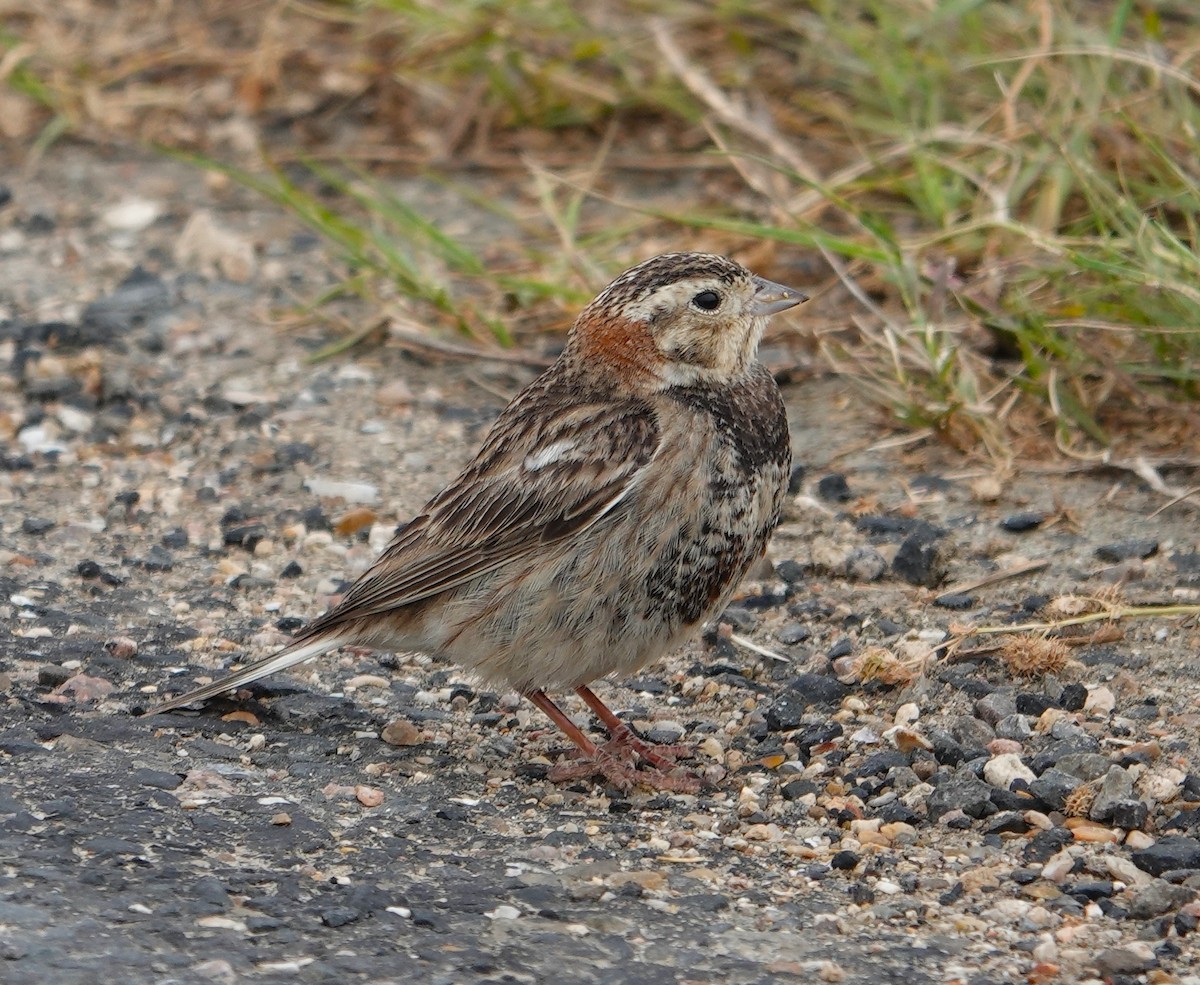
<point>351,492</point>
<point>131,214</point>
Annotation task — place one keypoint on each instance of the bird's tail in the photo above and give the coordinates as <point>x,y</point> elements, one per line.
<point>289,656</point>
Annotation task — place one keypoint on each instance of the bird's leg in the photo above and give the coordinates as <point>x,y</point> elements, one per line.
<point>660,757</point>
<point>599,760</point>
<point>559,718</point>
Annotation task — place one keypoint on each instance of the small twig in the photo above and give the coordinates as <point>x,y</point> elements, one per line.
<point>1186,494</point>
<point>1112,615</point>
<point>740,118</point>
<point>760,650</point>
<point>347,342</point>
<point>970,586</point>
<point>452,350</point>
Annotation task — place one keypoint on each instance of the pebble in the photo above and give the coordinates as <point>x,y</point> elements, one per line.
<point>368,796</point>
<point>1001,771</point>
<point>1100,701</point>
<point>865,564</point>
<point>785,711</point>
<point>351,492</point>
<point>834,488</point>
<point>1116,786</point>
<point>1021,522</point>
<point>793,633</point>
<point>1123,550</point>
<point>1128,960</point>
<point>921,559</point>
<point>962,791</point>
<point>1158,897</point>
<point>131,214</point>
<point>1170,852</point>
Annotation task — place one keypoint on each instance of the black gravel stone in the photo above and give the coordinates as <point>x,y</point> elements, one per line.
<point>1045,844</point>
<point>1053,787</point>
<point>6,195</point>
<point>1020,522</point>
<point>158,559</point>
<point>294,452</point>
<point>291,570</point>
<point>816,735</point>
<point>1033,705</point>
<point>36,525</point>
<point>1094,890</point>
<point>158,779</point>
<point>1130,814</point>
<point>955,600</point>
<point>845,860</point>
<point>963,791</point>
<point>1005,822</point>
<point>795,789</point>
<point>834,488</point>
<point>314,518</point>
<point>247,536</point>
<point>175,539</point>
<point>946,749</point>
<point>889,628</point>
<point>801,693</point>
<point>920,560</point>
<point>1124,550</point>
<point>88,569</point>
<point>879,763</point>
<point>887,527</point>
<point>897,810</point>
<point>793,633</point>
<point>339,916</point>
<point>1169,852</point>
<point>790,571</point>
<point>1073,697</point>
<point>209,890</point>
<point>1056,750</point>
<point>840,648</point>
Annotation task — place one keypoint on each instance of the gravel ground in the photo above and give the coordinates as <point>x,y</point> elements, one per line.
<point>180,489</point>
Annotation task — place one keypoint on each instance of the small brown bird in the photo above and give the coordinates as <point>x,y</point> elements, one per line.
<point>613,508</point>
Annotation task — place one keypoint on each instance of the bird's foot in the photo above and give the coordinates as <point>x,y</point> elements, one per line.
<point>617,761</point>
<point>626,746</point>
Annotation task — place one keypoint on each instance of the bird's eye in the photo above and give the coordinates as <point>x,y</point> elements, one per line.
<point>707,300</point>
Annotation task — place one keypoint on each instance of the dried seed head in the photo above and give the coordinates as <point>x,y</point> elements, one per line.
<point>1034,656</point>
<point>1080,800</point>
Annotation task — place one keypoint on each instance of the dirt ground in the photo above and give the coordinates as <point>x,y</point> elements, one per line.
<point>180,488</point>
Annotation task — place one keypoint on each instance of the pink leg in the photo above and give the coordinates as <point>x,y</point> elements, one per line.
<point>660,757</point>
<point>601,760</point>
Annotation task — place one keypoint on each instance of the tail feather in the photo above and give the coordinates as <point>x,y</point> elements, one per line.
<point>289,656</point>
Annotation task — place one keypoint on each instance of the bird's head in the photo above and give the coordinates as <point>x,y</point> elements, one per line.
<point>684,318</point>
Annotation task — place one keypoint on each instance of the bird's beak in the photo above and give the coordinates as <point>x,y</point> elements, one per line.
<point>772,298</point>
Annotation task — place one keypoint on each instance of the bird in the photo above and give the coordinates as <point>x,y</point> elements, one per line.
<point>612,509</point>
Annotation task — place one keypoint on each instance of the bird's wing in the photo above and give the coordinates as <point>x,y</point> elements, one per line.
<point>538,479</point>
